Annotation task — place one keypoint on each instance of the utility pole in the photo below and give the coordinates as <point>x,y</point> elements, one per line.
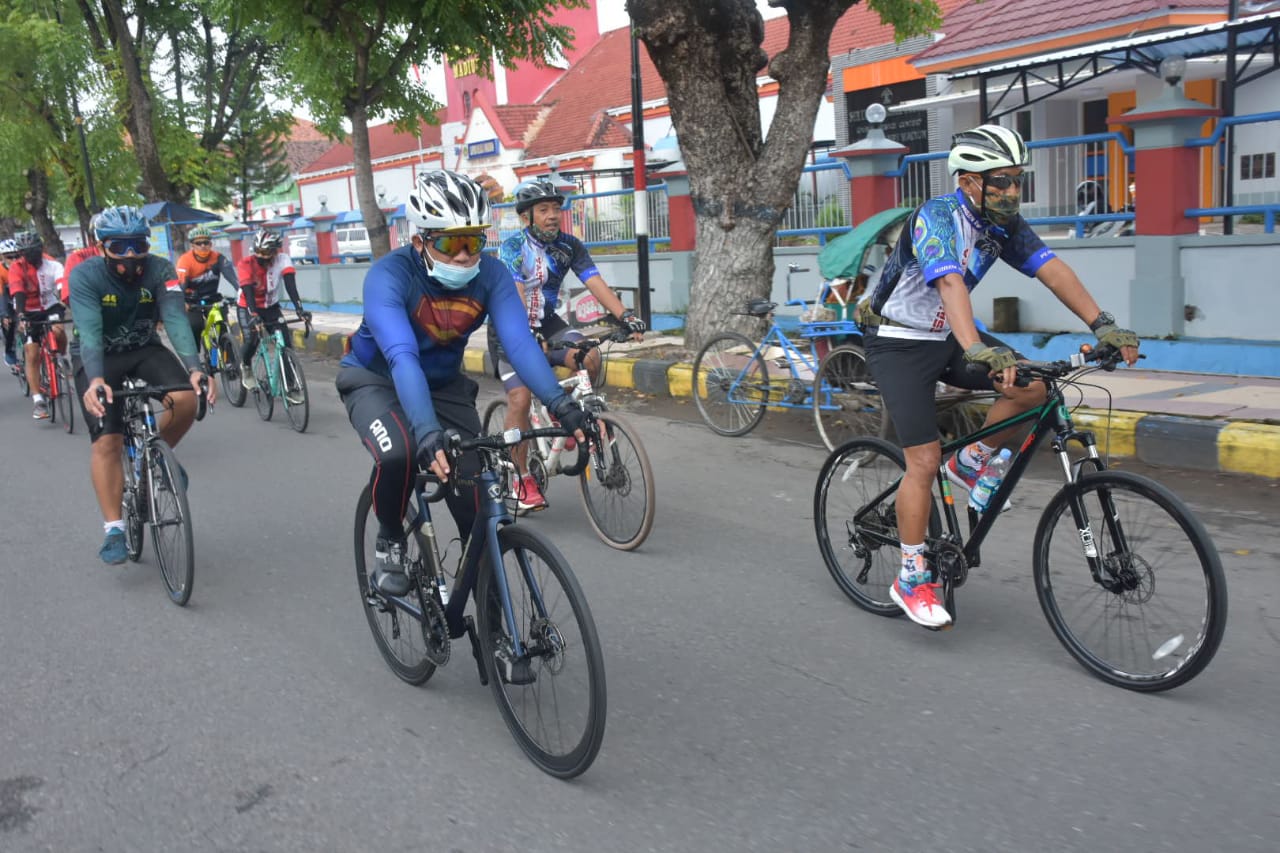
<point>1228,110</point>
<point>641,186</point>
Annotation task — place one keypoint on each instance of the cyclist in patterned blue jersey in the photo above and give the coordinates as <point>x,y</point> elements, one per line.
<point>539,258</point>
<point>920,330</point>
<point>402,382</point>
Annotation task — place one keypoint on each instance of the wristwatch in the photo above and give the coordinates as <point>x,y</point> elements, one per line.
<point>1103,319</point>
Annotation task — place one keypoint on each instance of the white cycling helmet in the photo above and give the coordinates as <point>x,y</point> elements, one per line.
<point>8,247</point>
<point>987,147</point>
<point>447,201</point>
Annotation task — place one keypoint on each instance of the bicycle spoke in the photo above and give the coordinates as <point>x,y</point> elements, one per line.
<point>617,486</point>
<point>730,384</point>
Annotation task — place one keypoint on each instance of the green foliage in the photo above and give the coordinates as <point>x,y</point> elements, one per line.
<point>908,17</point>
<point>831,214</point>
<point>255,157</point>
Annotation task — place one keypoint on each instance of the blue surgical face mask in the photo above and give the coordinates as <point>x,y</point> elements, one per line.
<point>452,276</point>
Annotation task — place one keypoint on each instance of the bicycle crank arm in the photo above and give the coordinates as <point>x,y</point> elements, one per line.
<point>475,649</point>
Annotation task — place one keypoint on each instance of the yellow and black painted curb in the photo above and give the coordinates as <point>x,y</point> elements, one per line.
<point>1202,444</point>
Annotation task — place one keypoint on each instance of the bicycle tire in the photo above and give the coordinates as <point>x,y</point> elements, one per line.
<point>294,383</point>
<point>728,404</point>
<point>846,402</point>
<point>65,402</point>
<point>1123,507</point>
<point>229,371</point>
<point>171,534</point>
<point>529,563</point>
<point>859,480</point>
<point>262,399</point>
<point>131,510</point>
<point>20,369</point>
<point>394,631</point>
<point>609,497</point>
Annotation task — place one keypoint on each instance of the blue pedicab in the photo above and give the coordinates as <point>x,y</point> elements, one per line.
<point>736,380</point>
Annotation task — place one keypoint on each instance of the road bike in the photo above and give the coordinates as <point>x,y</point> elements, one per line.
<point>615,477</point>
<point>532,635</point>
<point>57,377</point>
<point>218,348</point>
<point>155,486</point>
<point>279,376</point>
<point>1128,578</point>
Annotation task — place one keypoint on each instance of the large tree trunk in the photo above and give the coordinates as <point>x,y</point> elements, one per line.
<point>37,204</point>
<point>374,221</point>
<point>709,56</point>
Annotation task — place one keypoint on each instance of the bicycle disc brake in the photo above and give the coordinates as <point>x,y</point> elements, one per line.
<point>546,643</point>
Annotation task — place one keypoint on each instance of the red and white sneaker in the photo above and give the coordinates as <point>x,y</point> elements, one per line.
<point>920,603</point>
<point>528,496</point>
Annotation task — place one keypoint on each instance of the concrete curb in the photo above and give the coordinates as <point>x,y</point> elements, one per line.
<point>1201,444</point>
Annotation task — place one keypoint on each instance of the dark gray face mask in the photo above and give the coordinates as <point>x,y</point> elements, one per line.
<point>129,270</point>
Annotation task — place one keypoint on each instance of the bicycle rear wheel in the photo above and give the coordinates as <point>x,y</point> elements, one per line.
<point>262,398</point>
<point>856,520</point>
<point>846,402</point>
<point>171,535</point>
<point>730,384</point>
<point>297,405</point>
<point>400,638</point>
<point>617,486</point>
<point>65,401</point>
<point>229,371</point>
<point>553,698</point>
<point>1155,615</point>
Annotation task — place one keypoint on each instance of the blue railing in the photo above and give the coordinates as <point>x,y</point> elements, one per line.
<point>1267,209</point>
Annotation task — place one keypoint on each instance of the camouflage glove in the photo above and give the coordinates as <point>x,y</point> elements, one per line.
<point>994,358</point>
<point>1109,334</point>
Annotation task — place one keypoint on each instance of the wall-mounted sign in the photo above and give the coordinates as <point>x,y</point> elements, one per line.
<point>910,128</point>
<point>466,67</point>
<point>484,148</point>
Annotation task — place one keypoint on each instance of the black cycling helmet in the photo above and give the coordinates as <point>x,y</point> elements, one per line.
<point>529,193</point>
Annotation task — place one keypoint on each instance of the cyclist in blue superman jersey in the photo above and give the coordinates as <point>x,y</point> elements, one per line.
<point>920,330</point>
<point>540,257</point>
<point>402,382</point>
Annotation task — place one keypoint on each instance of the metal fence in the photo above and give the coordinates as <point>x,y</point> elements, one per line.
<point>1254,197</point>
<point>597,219</point>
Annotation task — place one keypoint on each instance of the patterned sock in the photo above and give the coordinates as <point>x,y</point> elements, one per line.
<point>976,455</point>
<point>914,569</point>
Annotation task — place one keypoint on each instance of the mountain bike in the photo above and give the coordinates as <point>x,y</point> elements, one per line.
<point>155,486</point>
<point>218,349</point>
<point>532,636</point>
<point>57,378</point>
<point>279,374</point>
<point>615,477</point>
<point>1126,575</point>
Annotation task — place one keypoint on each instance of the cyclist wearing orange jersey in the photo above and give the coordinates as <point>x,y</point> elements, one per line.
<point>74,258</point>
<point>200,271</point>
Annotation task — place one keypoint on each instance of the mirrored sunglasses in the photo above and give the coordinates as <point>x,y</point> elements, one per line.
<point>1003,182</point>
<point>452,244</point>
<point>121,246</point>
<point>202,243</point>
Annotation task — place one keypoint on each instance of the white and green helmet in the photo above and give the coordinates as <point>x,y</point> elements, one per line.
<point>987,147</point>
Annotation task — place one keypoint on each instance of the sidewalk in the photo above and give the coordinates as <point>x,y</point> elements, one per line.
<point>1200,421</point>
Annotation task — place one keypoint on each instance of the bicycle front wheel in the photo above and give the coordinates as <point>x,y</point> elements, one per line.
<point>229,371</point>
<point>617,485</point>
<point>855,516</point>
<point>171,535</point>
<point>297,405</point>
<point>846,402</point>
<point>400,638</point>
<point>133,506</point>
<point>730,384</point>
<point>553,696</point>
<point>65,400</point>
<point>1130,581</point>
<point>262,398</point>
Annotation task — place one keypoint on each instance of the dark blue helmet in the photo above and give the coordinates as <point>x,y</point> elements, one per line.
<point>123,221</point>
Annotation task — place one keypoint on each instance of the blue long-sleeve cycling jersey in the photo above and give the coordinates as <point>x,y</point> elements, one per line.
<point>415,331</point>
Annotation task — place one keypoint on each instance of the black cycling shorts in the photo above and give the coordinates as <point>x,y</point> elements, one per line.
<point>34,330</point>
<point>154,364</point>
<point>907,372</point>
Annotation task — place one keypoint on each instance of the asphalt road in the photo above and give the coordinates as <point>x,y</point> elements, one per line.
<point>751,706</point>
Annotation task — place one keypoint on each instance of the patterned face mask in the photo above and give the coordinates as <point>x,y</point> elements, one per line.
<point>1000,207</point>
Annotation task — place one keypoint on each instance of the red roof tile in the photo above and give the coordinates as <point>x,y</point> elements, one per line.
<point>384,142</point>
<point>601,80</point>
<point>518,119</point>
<point>972,28</point>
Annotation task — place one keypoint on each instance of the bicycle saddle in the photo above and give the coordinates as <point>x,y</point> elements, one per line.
<point>760,307</point>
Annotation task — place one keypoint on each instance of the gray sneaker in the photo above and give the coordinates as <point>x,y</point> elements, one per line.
<point>41,410</point>
<point>247,379</point>
<point>388,574</point>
